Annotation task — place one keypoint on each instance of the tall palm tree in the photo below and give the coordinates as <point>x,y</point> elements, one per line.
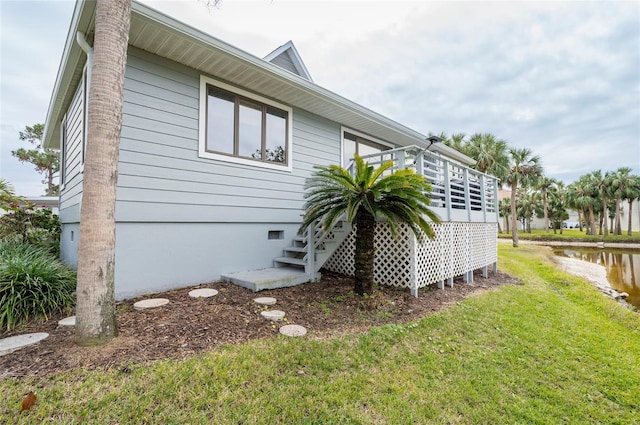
<point>581,196</point>
<point>95,308</point>
<point>544,184</point>
<point>631,193</point>
<point>400,197</point>
<point>599,186</point>
<point>524,170</point>
<point>557,205</point>
<point>620,180</point>
<point>490,153</point>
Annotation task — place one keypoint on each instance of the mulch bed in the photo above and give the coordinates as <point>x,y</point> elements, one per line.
<point>187,326</point>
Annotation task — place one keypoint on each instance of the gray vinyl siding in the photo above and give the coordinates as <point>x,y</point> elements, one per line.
<point>70,194</point>
<point>283,60</point>
<point>162,179</point>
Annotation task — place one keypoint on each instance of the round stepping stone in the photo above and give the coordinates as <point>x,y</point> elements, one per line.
<point>67,321</point>
<point>273,314</point>
<point>203,293</point>
<point>293,330</point>
<point>13,343</point>
<point>265,301</point>
<point>150,303</point>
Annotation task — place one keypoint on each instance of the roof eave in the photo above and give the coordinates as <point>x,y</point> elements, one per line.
<point>80,21</point>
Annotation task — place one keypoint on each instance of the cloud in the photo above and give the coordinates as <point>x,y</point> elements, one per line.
<point>559,77</point>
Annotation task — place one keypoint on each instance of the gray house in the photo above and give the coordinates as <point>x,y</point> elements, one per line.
<point>215,148</point>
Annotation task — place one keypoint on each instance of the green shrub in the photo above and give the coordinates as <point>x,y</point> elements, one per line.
<point>33,283</point>
<point>31,225</point>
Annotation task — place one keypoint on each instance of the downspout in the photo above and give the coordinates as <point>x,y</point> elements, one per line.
<point>80,39</point>
<point>89,52</point>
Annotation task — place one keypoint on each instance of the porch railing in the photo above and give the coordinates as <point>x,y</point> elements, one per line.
<point>458,193</point>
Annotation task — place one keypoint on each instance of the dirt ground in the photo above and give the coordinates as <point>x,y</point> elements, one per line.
<point>187,326</point>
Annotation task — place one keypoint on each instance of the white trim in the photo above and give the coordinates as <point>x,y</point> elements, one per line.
<point>296,60</point>
<point>202,127</point>
<point>344,129</point>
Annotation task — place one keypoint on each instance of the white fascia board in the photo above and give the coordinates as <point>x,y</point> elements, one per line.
<point>296,60</point>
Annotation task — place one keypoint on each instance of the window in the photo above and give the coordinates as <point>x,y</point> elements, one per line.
<point>354,143</point>
<point>238,126</point>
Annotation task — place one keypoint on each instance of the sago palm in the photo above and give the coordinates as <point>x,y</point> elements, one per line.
<point>368,195</point>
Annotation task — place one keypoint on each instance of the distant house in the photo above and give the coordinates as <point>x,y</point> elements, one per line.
<point>215,148</point>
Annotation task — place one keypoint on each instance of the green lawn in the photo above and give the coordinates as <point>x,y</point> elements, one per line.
<point>573,235</point>
<point>549,351</point>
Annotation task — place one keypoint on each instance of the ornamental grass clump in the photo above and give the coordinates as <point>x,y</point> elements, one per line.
<point>33,283</point>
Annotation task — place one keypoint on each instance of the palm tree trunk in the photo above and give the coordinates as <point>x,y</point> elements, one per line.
<point>95,310</point>
<point>618,227</point>
<point>514,224</point>
<point>604,216</point>
<point>580,219</point>
<point>630,215</point>
<point>365,253</point>
<point>546,211</point>
<point>592,220</point>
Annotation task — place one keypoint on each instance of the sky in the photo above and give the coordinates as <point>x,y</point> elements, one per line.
<point>560,78</point>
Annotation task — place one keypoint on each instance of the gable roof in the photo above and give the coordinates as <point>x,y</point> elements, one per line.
<point>164,36</point>
<point>287,57</point>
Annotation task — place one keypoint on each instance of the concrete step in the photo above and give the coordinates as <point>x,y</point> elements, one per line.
<point>272,278</point>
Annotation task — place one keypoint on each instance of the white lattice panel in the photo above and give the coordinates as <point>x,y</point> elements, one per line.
<point>457,248</point>
<point>392,263</point>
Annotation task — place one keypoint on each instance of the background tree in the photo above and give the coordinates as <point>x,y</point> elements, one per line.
<point>7,194</point>
<point>557,206</point>
<point>631,193</point>
<point>526,207</point>
<point>400,197</point>
<point>544,184</point>
<point>621,179</point>
<point>505,211</point>
<point>598,184</point>
<point>524,170</point>
<point>46,161</point>
<point>490,153</point>
<point>95,310</point>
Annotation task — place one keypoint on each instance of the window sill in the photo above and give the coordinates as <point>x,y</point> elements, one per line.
<point>244,161</point>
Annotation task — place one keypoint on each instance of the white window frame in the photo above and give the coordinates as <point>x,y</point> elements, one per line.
<point>202,127</point>
<point>359,134</point>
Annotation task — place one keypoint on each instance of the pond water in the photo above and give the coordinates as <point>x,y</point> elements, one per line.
<point>623,268</point>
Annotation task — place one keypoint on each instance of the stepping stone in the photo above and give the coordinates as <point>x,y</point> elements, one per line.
<point>67,321</point>
<point>13,343</point>
<point>265,301</point>
<point>273,314</point>
<point>150,303</point>
<point>293,330</point>
<point>203,293</point>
